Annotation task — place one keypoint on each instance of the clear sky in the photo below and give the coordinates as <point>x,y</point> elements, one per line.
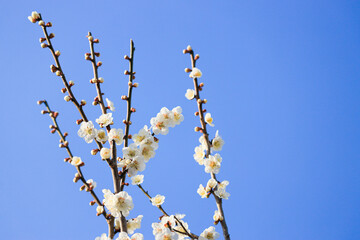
<point>282,83</point>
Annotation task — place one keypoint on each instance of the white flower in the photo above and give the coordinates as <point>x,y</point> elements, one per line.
<point>217,143</point>
<point>190,94</point>
<point>150,141</point>
<point>201,191</point>
<point>168,116</point>
<point>212,165</point>
<point>199,154</point>
<point>133,224</point>
<point>211,184</point>
<point>135,165</point>
<point>121,201</point>
<point>221,193</point>
<point>178,117</point>
<point>209,119</point>
<point>157,228</point>
<point>110,104</point>
<point>223,184</point>
<point>158,200</point>
<point>217,216</point>
<point>99,209</point>
<point>167,221</point>
<point>105,153</point>
<point>131,151</point>
<point>92,183</point>
<point>101,136</point>
<point>210,234</point>
<point>179,228</point>
<point>143,134</point>
<point>147,152</point>
<point>87,131</point>
<point>137,236</point>
<point>123,236</point>
<point>166,234</point>
<point>137,179</point>
<point>76,161</point>
<point>195,73</point>
<point>105,120</point>
<point>102,237</point>
<point>202,140</point>
<point>218,157</point>
<point>117,135</point>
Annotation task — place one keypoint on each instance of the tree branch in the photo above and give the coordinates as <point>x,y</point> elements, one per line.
<point>208,143</point>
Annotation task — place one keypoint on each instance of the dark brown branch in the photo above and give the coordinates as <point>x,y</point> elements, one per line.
<point>200,102</point>
<point>78,168</point>
<point>113,161</point>
<point>187,233</point>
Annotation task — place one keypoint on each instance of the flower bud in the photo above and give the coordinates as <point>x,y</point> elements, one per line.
<point>94,151</point>
<point>40,102</point>
<point>92,203</point>
<point>97,54</point>
<point>124,97</point>
<point>82,187</point>
<point>126,72</point>
<point>201,85</point>
<point>91,38</point>
<point>101,80</point>
<point>57,53</point>
<point>42,39</point>
<point>43,45</point>
<point>199,100</point>
<point>205,100</point>
<point>35,15</point>
<point>52,35</point>
<point>197,129</point>
<point>196,57</point>
<point>41,23</point>
<point>189,48</point>
<point>132,109</point>
<point>49,24</point>
<point>58,73</point>
<point>196,113</point>
<point>44,112</point>
<point>31,19</point>
<point>187,70</point>
<point>53,68</point>
<point>99,63</point>
<point>135,85</point>
<point>79,121</point>
<point>96,40</point>
<point>83,102</point>
<point>71,83</point>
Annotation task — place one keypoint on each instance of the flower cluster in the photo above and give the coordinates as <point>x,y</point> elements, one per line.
<point>218,188</point>
<point>89,132</point>
<point>116,203</point>
<point>122,236</point>
<point>165,119</point>
<point>170,229</point>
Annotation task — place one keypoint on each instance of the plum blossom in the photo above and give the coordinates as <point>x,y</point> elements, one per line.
<point>158,200</point>
<point>110,104</point>
<point>212,165</point>
<point>76,161</point>
<point>209,234</point>
<point>137,179</point>
<point>87,131</point>
<point>217,143</point>
<point>190,94</point>
<point>117,135</point>
<point>208,119</point>
<point>105,120</point>
<point>199,154</point>
<point>121,201</point>
<point>101,136</point>
<point>195,73</point>
<point>133,224</point>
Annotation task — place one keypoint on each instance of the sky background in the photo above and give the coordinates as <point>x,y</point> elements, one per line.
<point>282,83</point>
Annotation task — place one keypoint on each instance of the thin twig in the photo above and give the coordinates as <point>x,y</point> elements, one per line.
<point>113,165</point>
<point>208,144</point>
<point>187,233</point>
<point>78,168</point>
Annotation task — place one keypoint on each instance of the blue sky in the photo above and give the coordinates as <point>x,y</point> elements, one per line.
<point>282,83</point>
